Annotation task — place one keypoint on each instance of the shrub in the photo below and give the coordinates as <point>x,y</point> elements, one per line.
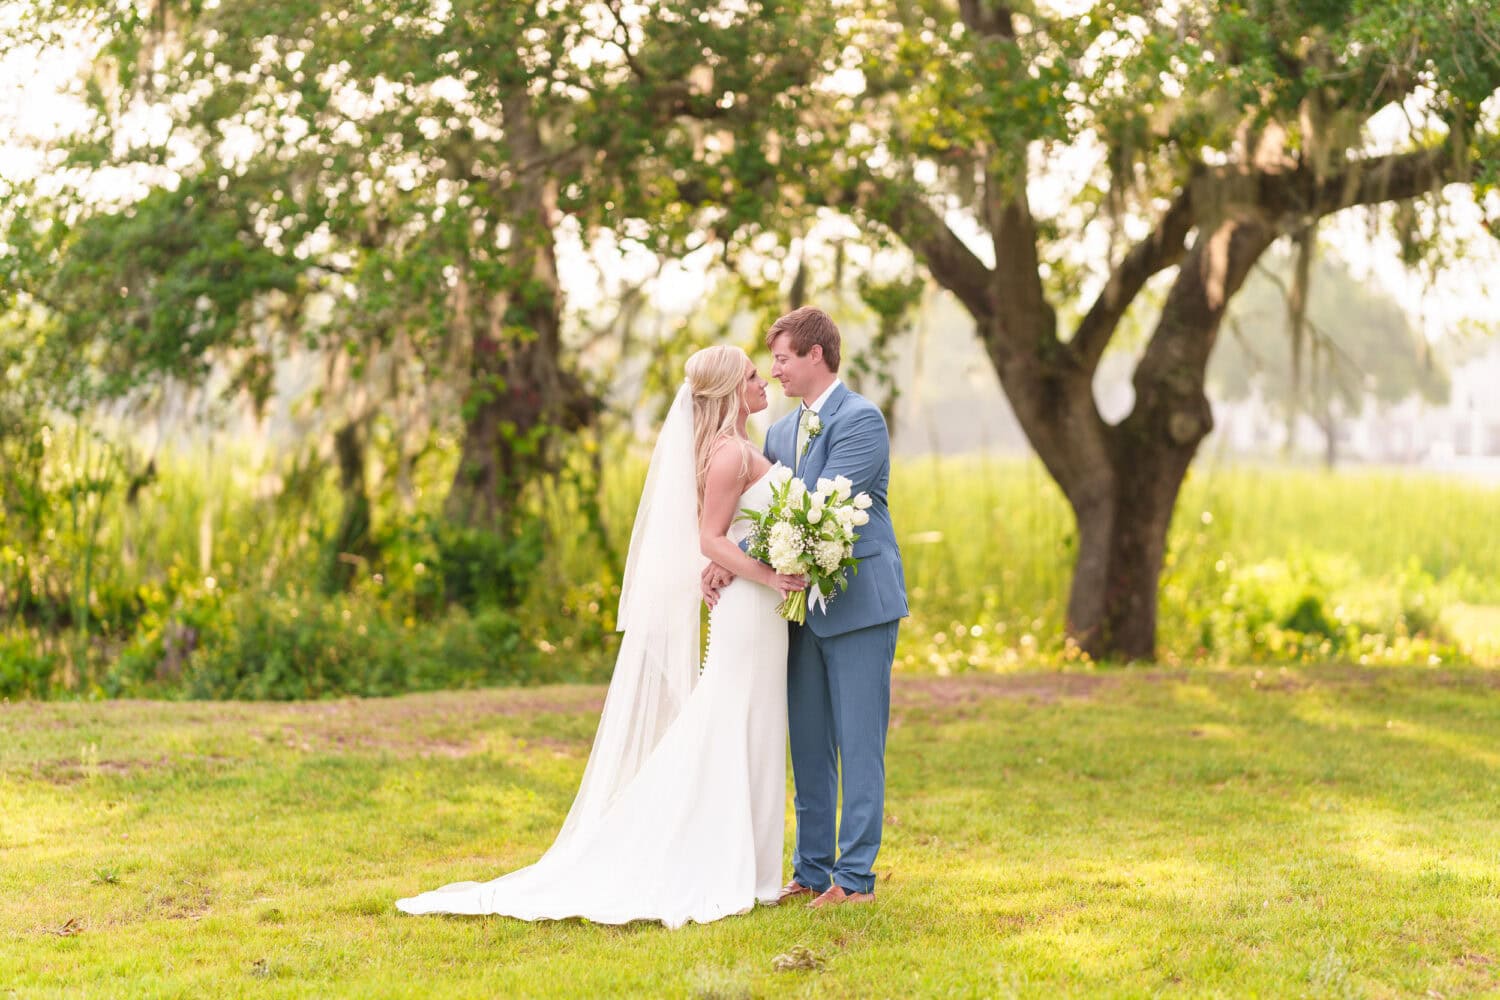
<point>26,670</point>
<point>306,645</point>
<point>291,646</point>
<point>1308,618</point>
<point>433,564</point>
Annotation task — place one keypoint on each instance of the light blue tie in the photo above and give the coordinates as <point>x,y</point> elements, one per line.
<point>802,443</point>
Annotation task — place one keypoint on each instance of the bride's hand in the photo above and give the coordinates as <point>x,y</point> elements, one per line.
<point>787,584</point>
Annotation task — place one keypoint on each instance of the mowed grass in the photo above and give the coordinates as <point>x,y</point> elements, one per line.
<point>1319,831</point>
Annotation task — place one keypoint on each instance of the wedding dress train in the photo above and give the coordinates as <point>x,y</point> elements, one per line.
<point>696,833</point>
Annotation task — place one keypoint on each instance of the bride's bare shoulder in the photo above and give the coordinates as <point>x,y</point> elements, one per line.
<point>734,463</point>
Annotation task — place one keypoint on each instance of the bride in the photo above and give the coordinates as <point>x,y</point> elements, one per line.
<point>681,811</point>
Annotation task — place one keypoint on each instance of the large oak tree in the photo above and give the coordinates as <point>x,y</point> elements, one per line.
<point>1045,166</point>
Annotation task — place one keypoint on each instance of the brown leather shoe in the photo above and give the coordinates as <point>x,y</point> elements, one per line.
<point>791,890</point>
<point>836,896</point>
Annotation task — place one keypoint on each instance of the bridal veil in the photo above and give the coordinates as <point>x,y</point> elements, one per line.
<point>657,666</point>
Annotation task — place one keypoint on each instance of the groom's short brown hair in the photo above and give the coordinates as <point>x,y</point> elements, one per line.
<point>808,327</point>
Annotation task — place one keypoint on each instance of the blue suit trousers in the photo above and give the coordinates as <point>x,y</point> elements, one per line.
<point>838,708</point>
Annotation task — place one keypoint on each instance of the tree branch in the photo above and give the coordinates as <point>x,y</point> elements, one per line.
<point>1162,249</point>
<point>1290,198</point>
<point>901,209</point>
<point>1027,322</point>
<point>1282,197</point>
<point>624,44</point>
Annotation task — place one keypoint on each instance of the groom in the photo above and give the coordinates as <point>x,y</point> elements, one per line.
<point>839,663</point>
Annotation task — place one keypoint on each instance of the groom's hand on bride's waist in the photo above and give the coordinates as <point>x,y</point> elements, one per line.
<point>714,579</point>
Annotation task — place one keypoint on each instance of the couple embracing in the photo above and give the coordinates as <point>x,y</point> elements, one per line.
<point>680,814</point>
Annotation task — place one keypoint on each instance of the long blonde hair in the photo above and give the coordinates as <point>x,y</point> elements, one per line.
<point>716,376</point>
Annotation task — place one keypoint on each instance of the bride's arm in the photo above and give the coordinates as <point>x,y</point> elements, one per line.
<point>721,493</point>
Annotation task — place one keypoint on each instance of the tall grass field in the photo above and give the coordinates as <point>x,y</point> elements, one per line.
<point>1265,564</point>
<point>212,581</point>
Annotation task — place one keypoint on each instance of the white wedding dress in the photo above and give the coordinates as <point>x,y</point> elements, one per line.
<point>695,833</point>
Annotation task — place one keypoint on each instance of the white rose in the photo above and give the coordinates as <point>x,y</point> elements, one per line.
<point>814,425</point>
<point>863,501</point>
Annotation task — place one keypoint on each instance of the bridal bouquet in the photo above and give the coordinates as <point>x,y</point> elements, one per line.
<point>808,532</point>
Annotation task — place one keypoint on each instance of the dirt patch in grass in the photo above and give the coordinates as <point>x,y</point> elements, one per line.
<point>70,772</point>
<point>434,724</point>
<point>911,691</point>
<point>453,723</point>
<point>461,723</point>
<point>184,902</point>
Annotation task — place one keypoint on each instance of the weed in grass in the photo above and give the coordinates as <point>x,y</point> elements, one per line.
<point>713,983</point>
<point>800,958</point>
<point>1329,977</point>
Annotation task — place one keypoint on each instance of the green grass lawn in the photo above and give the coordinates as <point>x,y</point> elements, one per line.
<point>1329,831</point>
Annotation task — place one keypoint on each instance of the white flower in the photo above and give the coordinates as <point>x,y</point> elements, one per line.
<point>842,486</point>
<point>785,548</point>
<point>863,501</point>
<point>825,488</point>
<point>859,518</point>
<point>845,515</point>
<point>814,425</point>
<point>815,514</point>
<point>796,491</point>
<point>829,555</point>
<point>780,475</point>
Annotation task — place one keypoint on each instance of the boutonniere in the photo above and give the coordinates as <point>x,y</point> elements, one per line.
<point>814,428</point>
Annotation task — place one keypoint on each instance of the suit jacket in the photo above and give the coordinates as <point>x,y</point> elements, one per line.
<point>853,443</point>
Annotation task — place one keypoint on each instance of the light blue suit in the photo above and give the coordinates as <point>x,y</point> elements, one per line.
<point>839,663</point>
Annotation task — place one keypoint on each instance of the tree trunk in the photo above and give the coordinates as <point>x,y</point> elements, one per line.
<point>1122,482</point>
<point>520,399</point>
<point>351,543</point>
<point>1330,426</point>
<point>519,394</point>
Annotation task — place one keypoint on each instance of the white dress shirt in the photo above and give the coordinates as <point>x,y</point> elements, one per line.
<point>803,437</point>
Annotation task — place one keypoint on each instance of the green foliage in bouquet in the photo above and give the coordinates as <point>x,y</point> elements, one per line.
<point>809,533</point>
